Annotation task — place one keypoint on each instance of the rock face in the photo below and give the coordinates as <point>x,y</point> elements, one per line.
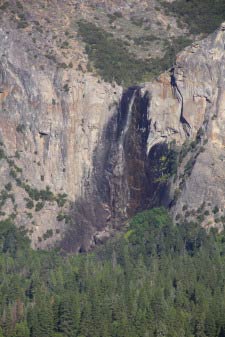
<point>188,107</point>
<point>51,120</point>
<point>80,156</point>
<point>65,134</point>
<point>165,144</point>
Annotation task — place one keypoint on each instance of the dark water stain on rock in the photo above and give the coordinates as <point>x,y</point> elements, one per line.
<point>126,179</point>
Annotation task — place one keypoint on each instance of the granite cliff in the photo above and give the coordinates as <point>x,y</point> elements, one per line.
<point>164,145</point>
<point>79,156</point>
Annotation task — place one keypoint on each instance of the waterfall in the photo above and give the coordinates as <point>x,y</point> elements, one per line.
<point>124,179</point>
<point>123,124</point>
<point>130,96</point>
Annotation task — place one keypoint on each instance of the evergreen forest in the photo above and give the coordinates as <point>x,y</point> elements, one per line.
<point>154,279</point>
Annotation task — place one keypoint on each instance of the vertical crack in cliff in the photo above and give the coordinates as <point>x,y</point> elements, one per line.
<point>177,93</point>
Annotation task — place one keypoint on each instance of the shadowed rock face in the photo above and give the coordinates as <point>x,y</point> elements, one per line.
<point>126,177</point>
<point>121,176</point>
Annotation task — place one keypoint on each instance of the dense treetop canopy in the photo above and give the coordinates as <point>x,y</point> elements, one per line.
<point>155,279</point>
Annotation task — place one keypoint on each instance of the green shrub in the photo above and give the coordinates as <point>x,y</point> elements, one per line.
<point>18,182</point>
<point>8,186</point>
<point>114,16</point>
<point>137,21</point>
<point>46,195</point>
<point>51,57</point>
<point>200,218</point>
<point>29,203</point>
<point>48,234</point>
<point>33,193</point>
<point>215,210</point>
<point>4,6</point>
<point>60,217</point>
<point>22,24</point>
<point>13,173</point>
<point>145,39</point>
<point>61,199</point>
<point>65,45</point>
<point>2,154</point>
<point>18,169</point>
<point>39,206</point>
<point>3,197</point>
<point>29,215</point>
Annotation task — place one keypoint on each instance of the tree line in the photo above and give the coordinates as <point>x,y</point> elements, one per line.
<point>155,279</point>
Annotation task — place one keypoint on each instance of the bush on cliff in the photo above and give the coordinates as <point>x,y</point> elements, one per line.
<point>201,16</point>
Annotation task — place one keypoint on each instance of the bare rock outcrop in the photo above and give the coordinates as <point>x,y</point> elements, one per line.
<point>188,106</point>
<point>51,120</point>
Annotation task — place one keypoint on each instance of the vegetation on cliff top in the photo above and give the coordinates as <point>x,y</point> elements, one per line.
<point>201,16</point>
<point>111,57</point>
<point>112,60</point>
<point>157,279</point>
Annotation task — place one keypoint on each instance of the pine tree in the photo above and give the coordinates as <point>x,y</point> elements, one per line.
<point>21,330</point>
<point>69,315</point>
